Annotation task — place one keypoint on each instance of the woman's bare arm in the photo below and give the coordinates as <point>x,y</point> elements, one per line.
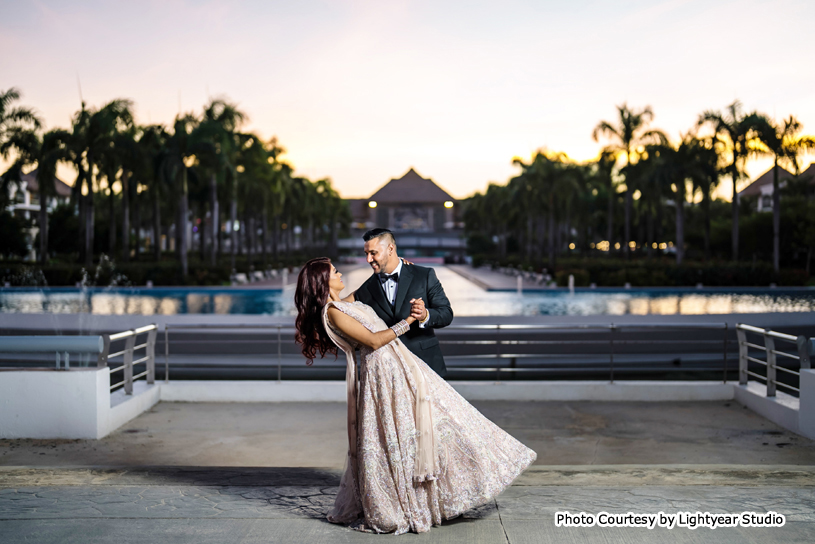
<point>357,331</point>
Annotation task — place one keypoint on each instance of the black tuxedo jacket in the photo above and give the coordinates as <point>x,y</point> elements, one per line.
<point>414,282</point>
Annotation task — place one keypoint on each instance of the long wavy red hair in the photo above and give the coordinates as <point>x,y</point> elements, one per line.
<point>310,298</point>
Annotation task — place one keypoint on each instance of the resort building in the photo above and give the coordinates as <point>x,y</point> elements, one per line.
<point>24,202</point>
<point>424,217</point>
<point>762,186</point>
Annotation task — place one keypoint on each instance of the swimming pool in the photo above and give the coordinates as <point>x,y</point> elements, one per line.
<point>471,301</point>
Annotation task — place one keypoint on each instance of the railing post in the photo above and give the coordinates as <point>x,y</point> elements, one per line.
<point>742,337</point>
<point>128,363</point>
<point>150,353</point>
<point>805,351</point>
<point>769,347</point>
<point>611,354</point>
<point>102,361</point>
<point>724,355</point>
<point>279,355</point>
<point>166,353</point>
<point>498,353</point>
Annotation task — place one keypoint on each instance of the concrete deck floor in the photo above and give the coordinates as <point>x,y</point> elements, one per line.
<point>268,473</point>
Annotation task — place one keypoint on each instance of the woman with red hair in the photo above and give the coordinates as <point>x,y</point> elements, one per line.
<point>418,453</point>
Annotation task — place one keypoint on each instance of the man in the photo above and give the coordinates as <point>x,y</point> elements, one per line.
<point>397,290</point>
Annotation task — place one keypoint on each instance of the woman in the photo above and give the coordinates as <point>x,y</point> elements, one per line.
<point>418,452</point>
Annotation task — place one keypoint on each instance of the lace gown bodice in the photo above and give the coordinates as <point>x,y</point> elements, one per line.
<point>419,453</point>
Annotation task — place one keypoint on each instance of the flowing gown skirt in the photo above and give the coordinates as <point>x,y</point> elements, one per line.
<point>476,459</point>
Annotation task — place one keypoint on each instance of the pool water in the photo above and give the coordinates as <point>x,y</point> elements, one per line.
<point>466,298</point>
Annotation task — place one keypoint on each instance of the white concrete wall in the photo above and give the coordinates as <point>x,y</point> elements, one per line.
<point>782,409</point>
<point>51,404</point>
<point>123,407</point>
<point>806,413</point>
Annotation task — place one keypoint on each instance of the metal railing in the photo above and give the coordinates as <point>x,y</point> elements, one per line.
<point>504,347</point>
<point>804,349</point>
<point>98,346</point>
<point>515,350</point>
<point>127,354</point>
<point>261,327</point>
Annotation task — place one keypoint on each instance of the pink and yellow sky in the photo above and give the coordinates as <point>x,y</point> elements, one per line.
<point>359,91</point>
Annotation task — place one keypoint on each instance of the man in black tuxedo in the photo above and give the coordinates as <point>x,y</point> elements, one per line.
<point>397,290</point>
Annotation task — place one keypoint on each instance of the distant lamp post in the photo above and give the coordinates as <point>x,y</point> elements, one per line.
<point>372,204</point>
<point>448,204</point>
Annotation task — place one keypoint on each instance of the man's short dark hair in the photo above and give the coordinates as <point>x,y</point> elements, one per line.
<point>377,233</point>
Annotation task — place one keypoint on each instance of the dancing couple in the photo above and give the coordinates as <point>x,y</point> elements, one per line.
<point>418,453</point>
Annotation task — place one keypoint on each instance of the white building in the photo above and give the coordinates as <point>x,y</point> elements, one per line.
<point>762,186</point>
<point>24,202</point>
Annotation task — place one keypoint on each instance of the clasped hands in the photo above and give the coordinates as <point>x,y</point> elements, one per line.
<point>417,309</point>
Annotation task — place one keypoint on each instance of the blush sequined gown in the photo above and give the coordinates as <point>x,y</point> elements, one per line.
<point>418,452</point>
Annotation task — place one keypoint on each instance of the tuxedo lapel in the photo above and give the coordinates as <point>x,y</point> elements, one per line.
<point>378,295</point>
<point>401,292</point>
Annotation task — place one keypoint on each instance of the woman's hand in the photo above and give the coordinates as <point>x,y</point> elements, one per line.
<point>406,261</point>
<point>410,320</point>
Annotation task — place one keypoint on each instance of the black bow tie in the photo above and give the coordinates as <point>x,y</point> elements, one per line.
<point>385,277</point>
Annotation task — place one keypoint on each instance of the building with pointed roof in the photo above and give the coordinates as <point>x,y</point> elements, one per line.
<point>762,186</point>
<point>424,217</point>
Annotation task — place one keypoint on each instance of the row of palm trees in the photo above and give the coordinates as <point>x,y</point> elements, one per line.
<point>553,194</point>
<point>186,169</point>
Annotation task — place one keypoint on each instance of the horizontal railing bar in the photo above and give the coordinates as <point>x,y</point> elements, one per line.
<point>117,369</point>
<point>137,376</point>
<point>142,360</point>
<point>779,384</point>
<point>787,370</point>
<point>140,346</point>
<point>774,334</point>
<point>126,334</point>
<point>115,385</point>
<point>789,355</point>
<point>118,353</point>
<point>759,361</point>
<point>756,346</point>
<point>759,376</point>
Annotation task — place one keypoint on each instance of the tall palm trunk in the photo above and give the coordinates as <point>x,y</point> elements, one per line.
<point>276,239</point>
<point>213,207</point>
<point>156,224</point>
<point>43,220</point>
<point>735,207</point>
<point>112,218</point>
<point>183,211</point>
<point>627,230</point>
<point>265,227</point>
<point>680,224</point>
<point>551,229</point>
<point>137,217</point>
<point>706,212</point>
<point>125,216</point>
<point>776,218</point>
<point>89,219</point>
<point>610,218</point>
<point>233,234</point>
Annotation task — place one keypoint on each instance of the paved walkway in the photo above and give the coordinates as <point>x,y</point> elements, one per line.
<point>223,473</point>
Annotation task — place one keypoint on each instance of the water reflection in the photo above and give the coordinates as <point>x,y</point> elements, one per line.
<point>466,299</point>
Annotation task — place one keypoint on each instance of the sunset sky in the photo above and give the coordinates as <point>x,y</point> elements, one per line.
<point>360,91</point>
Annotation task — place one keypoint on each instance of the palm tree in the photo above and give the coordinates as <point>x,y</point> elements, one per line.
<point>706,179</point>
<point>784,144</point>
<point>629,133</point>
<point>229,119</point>
<point>15,117</point>
<point>179,151</point>
<point>738,128</point>
<point>605,167</point>
<point>93,133</point>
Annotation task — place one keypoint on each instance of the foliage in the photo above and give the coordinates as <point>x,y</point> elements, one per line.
<point>12,236</point>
